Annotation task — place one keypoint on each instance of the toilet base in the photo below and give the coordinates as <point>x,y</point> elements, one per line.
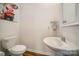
<point>2,53</point>
<point>7,53</point>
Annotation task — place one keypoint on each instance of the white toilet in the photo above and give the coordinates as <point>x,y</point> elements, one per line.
<point>9,43</point>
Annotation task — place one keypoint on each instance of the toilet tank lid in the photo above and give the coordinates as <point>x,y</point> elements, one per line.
<point>11,37</point>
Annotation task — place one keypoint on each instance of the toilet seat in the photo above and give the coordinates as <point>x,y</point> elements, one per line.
<point>17,49</point>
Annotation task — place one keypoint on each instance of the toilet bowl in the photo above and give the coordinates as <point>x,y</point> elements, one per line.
<point>9,44</point>
<point>17,50</point>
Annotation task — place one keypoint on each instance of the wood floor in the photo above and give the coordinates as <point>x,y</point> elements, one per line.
<point>30,53</point>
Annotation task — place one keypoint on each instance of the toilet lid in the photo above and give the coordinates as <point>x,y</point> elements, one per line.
<point>18,48</point>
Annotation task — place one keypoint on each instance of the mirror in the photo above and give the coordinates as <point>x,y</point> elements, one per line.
<point>7,11</point>
<point>70,16</point>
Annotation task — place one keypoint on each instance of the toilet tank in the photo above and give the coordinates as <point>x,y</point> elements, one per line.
<point>8,42</point>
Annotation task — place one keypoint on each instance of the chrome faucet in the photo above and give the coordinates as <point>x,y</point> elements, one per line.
<point>63,39</point>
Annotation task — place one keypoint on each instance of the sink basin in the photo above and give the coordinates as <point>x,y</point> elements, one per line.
<point>61,47</point>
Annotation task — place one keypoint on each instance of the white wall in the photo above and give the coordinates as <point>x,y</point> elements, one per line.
<point>35,19</point>
<point>8,28</point>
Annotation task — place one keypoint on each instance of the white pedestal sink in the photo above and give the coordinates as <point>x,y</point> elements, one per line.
<point>60,47</point>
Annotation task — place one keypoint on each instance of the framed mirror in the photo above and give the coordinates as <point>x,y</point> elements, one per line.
<point>70,14</point>
<point>7,11</point>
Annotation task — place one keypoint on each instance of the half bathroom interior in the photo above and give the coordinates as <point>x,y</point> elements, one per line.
<point>39,29</point>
